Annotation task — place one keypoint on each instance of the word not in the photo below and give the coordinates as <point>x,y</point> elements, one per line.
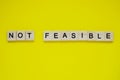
<point>77,36</point>
<point>20,35</point>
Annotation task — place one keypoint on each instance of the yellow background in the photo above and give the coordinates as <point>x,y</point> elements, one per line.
<point>41,60</point>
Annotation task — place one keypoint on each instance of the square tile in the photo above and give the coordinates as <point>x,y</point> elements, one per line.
<point>11,36</point>
<point>82,36</point>
<point>29,35</point>
<point>100,36</point>
<point>20,35</point>
<point>109,36</point>
<point>91,36</point>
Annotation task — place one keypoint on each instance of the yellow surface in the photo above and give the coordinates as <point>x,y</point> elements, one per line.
<point>41,60</point>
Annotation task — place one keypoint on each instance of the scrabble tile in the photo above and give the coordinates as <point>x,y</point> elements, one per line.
<point>109,36</point>
<point>47,36</point>
<point>74,36</point>
<point>29,35</point>
<point>100,36</point>
<point>82,36</point>
<point>11,35</point>
<point>20,35</point>
<point>65,35</point>
<point>91,36</point>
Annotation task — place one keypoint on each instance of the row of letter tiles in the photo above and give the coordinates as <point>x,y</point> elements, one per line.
<point>20,35</point>
<point>102,35</point>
